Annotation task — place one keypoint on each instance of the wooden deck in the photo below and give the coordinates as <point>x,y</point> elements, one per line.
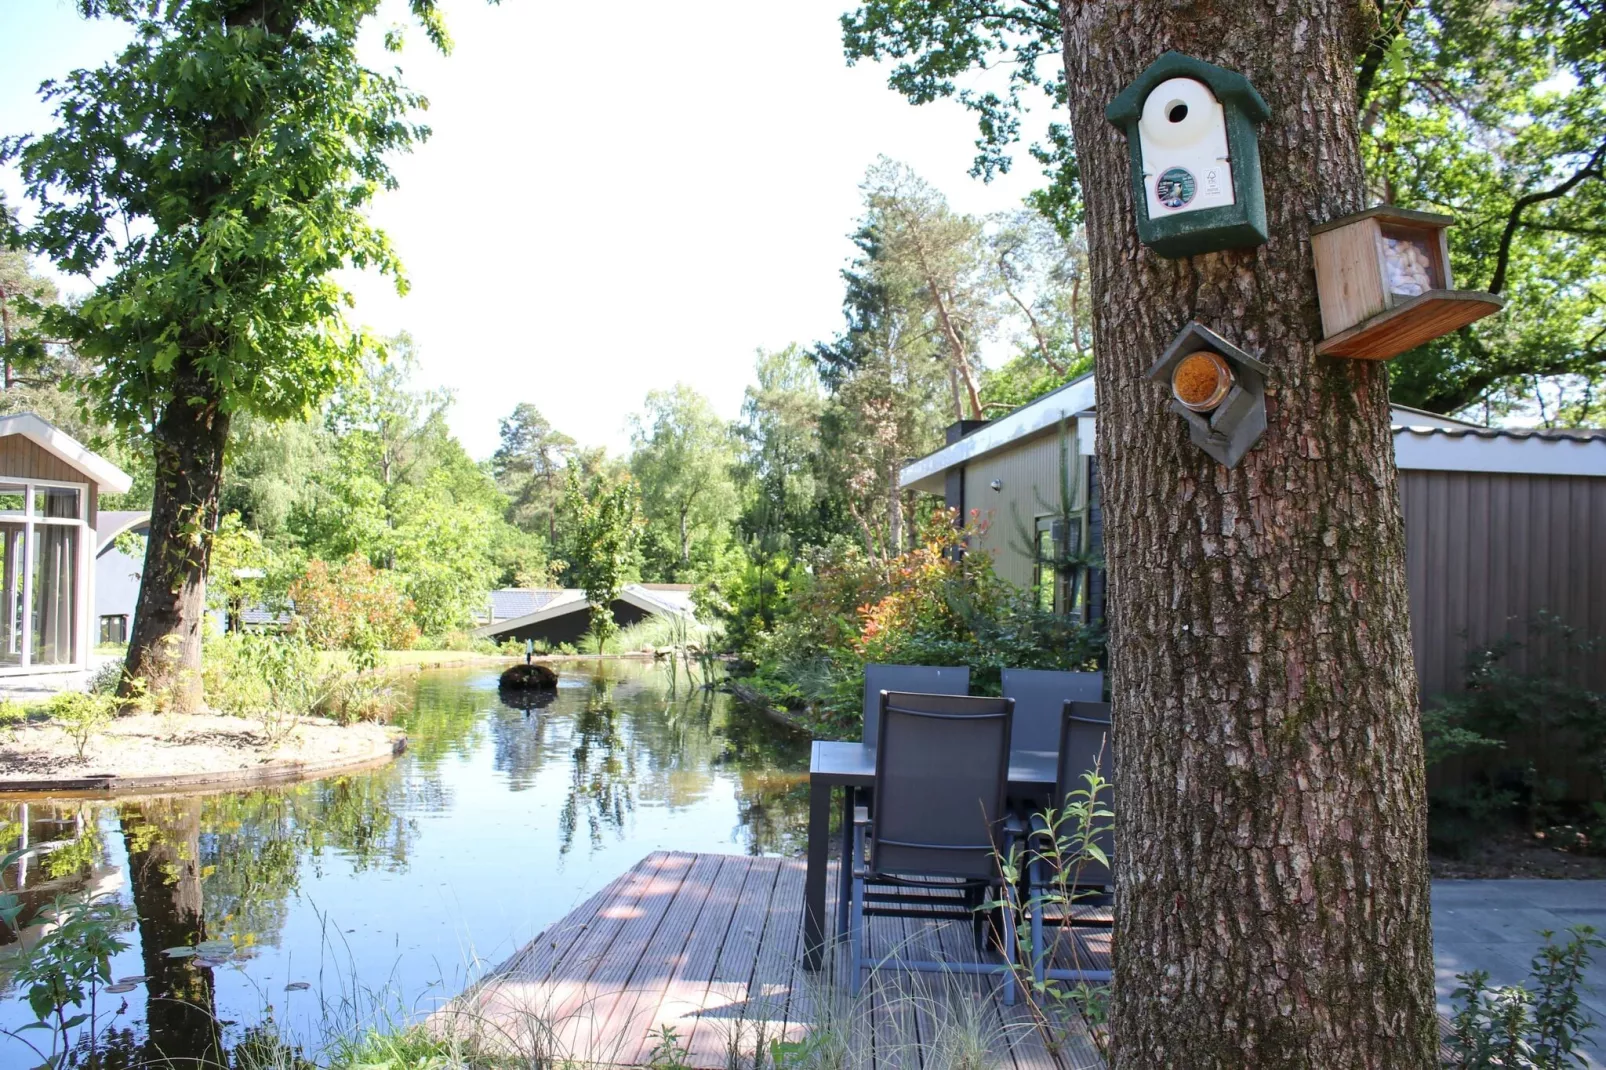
<point>710,946</point>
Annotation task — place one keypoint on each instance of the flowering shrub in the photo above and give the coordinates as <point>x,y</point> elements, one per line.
<point>352,606</point>
<point>932,605</point>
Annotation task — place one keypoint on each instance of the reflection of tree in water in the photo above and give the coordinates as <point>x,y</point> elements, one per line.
<point>603,773</point>
<point>165,875</point>
<point>518,733</point>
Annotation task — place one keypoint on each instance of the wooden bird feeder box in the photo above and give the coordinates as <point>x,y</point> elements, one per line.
<point>1383,279</point>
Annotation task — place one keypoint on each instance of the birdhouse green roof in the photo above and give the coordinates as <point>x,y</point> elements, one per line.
<point>1230,87</point>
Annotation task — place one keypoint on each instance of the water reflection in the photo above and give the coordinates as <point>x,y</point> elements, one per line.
<point>500,817</point>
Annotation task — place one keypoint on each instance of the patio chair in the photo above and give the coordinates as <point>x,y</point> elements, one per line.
<point>942,766</point>
<point>923,679</point>
<point>1040,696</point>
<point>1084,747</point>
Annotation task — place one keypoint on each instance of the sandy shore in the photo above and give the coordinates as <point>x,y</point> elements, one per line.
<point>183,746</point>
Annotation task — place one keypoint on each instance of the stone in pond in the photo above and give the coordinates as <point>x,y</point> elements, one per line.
<point>529,677</point>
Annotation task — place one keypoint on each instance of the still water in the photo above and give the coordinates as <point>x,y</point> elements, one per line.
<point>382,894</point>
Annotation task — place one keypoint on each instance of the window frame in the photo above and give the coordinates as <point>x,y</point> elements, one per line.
<point>29,520</point>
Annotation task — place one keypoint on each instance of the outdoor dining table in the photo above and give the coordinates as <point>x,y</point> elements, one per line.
<point>849,765</point>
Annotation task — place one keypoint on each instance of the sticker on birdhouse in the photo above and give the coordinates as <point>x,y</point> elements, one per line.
<point>1190,128</point>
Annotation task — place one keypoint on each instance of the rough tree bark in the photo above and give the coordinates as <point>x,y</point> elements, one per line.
<point>1272,907</point>
<point>164,651</point>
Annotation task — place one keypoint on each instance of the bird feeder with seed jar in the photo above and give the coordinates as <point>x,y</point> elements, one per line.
<point>1383,280</point>
<point>1217,389</point>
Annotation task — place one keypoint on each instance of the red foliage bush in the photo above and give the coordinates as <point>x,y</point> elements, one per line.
<point>335,607</point>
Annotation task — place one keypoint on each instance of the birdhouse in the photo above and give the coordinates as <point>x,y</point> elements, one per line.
<point>1190,131</point>
<point>1217,389</point>
<point>1383,280</point>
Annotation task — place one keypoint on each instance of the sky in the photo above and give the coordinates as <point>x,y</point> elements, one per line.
<point>610,204</point>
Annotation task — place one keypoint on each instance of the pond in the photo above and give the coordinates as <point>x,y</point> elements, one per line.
<point>374,897</point>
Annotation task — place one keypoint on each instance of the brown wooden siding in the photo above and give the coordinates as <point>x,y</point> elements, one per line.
<point>21,458</point>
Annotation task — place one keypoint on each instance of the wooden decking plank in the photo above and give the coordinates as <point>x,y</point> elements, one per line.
<point>890,991</point>
<point>503,1008</point>
<point>636,968</point>
<point>780,983</point>
<point>724,1001</point>
<point>686,986</point>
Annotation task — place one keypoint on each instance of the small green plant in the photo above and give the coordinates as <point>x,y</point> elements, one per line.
<point>13,714</point>
<point>668,1053</point>
<point>82,716</point>
<point>1520,1028</point>
<point>1065,842</point>
<point>62,975</point>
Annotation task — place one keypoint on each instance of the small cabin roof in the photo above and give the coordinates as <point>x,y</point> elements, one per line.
<point>53,440</point>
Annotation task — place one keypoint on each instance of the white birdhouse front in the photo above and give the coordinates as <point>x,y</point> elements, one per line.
<point>1190,131</point>
<point>1187,165</point>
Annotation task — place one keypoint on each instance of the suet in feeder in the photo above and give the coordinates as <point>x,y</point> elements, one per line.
<point>1190,131</point>
<point>1383,280</point>
<point>1217,389</point>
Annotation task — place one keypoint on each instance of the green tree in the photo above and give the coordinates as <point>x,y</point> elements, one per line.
<point>683,461</point>
<point>215,174</point>
<point>602,526</point>
<point>528,465</point>
<point>1043,277</point>
<point>1494,112</point>
<point>1497,112</point>
<point>937,261</point>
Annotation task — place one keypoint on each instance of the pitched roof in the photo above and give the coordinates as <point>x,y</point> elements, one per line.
<point>519,601</point>
<point>52,439</point>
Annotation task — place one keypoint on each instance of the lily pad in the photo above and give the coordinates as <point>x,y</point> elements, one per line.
<point>297,986</point>
<point>122,986</point>
<point>215,947</point>
<point>209,962</point>
<point>179,952</point>
<point>137,979</point>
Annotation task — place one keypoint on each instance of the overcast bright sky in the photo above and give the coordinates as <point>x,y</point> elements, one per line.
<point>616,197</point>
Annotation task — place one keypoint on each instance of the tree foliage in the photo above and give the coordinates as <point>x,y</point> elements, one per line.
<point>1491,111</point>
<point>602,526</point>
<point>683,460</point>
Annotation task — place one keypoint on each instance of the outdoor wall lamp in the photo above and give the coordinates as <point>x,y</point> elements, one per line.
<point>1217,389</point>
<point>997,484</point>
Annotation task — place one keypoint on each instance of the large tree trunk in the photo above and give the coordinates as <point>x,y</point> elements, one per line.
<point>165,650</point>
<point>1272,906</point>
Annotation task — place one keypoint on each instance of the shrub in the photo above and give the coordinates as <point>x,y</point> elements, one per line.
<point>933,605</point>
<point>1517,1028</point>
<point>82,716</point>
<point>1500,704</point>
<point>275,680</point>
<point>333,605</point>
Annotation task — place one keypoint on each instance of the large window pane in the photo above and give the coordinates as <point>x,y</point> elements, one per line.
<point>12,498</point>
<point>55,602</point>
<point>56,501</point>
<point>12,550</point>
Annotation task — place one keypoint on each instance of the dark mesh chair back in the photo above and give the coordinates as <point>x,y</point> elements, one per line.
<point>925,679</point>
<point>1040,696</point>
<point>942,767</point>
<point>1086,744</point>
